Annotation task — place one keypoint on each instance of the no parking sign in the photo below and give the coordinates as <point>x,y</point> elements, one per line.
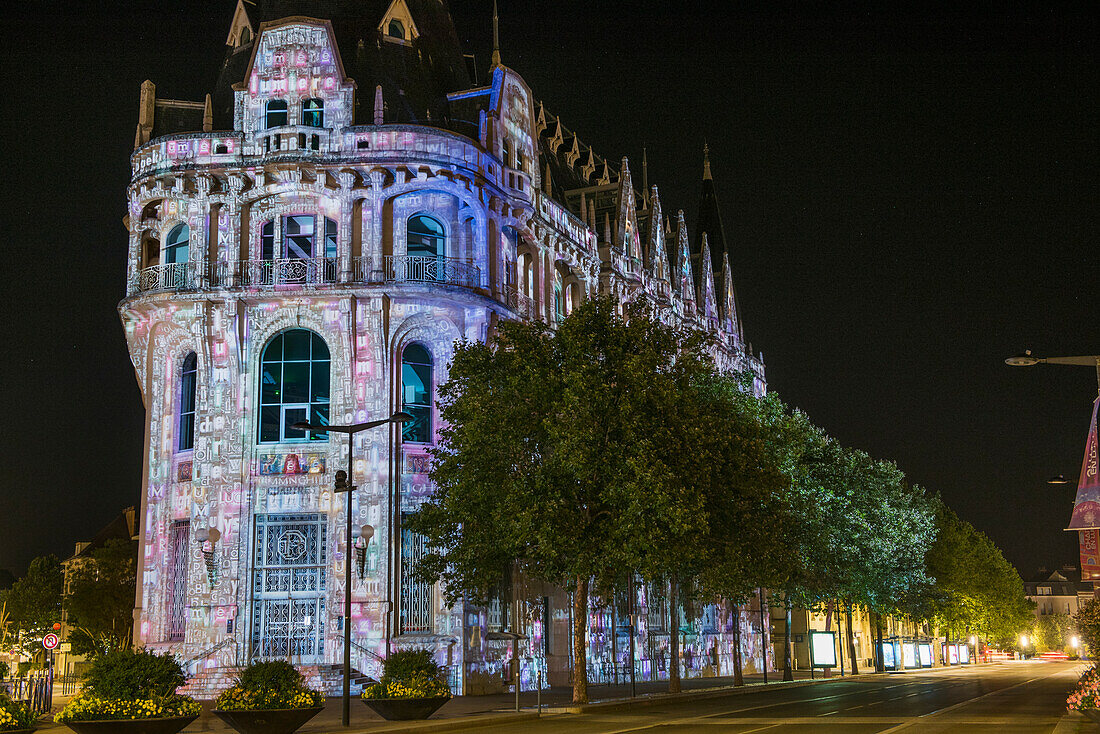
<point>50,641</point>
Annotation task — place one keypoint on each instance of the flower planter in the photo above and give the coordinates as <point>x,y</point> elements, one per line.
<point>19,731</point>
<point>405,709</point>
<point>268,721</point>
<point>1093,715</point>
<point>132,726</point>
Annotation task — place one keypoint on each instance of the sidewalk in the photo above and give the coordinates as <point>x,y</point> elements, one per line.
<point>467,712</point>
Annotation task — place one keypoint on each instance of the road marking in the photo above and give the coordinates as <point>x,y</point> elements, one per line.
<point>967,702</point>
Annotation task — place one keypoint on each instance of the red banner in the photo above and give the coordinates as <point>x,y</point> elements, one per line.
<point>1086,509</point>
<point>1090,557</point>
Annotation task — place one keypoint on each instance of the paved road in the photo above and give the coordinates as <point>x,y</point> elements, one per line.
<point>1012,698</point>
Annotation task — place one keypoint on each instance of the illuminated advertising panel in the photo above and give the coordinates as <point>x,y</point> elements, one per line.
<point>889,660</point>
<point>823,649</point>
<point>952,654</point>
<point>924,652</point>
<point>964,654</point>
<point>909,654</point>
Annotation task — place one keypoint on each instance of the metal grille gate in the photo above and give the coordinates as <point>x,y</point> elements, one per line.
<point>288,587</point>
<point>177,581</point>
<point>416,595</point>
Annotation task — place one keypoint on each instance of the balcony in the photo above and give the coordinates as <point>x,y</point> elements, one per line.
<point>287,273</point>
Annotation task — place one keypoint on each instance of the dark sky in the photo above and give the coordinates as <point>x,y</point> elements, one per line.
<point>909,198</point>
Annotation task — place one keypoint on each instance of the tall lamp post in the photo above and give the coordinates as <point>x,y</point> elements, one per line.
<point>1027,359</point>
<point>345,483</point>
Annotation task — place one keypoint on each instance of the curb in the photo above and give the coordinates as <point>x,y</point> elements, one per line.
<point>452,724</point>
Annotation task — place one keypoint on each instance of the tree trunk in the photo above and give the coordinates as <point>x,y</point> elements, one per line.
<point>580,638</point>
<point>880,664</point>
<point>673,637</point>
<point>788,672</point>
<point>851,638</point>
<point>738,676</point>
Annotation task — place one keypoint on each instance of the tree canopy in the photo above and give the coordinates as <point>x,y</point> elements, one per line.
<point>100,598</point>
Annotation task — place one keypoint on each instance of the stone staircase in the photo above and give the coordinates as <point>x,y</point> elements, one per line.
<point>209,683</point>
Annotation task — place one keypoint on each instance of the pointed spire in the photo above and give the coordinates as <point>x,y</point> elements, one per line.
<point>592,216</point>
<point>584,209</point>
<point>607,227</point>
<point>645,179</point>
<point>496,36</point>
<point>208,115</point>
<point>379,114</point>
<point>546,183</point>
<point>706,163</point>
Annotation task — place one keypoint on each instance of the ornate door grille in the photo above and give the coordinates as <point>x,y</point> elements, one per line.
<point>416,595</point>
<point>177,580</point>
<point>288,587</point>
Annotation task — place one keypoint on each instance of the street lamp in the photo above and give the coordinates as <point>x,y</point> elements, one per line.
<point>1058,479</point>
<point>344,483</point>
<point>1027,359</point>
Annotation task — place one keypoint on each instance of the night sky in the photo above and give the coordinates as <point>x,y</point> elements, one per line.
<point>909,200</point>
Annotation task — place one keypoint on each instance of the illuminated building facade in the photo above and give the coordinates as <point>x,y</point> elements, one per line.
<point>306,245</point>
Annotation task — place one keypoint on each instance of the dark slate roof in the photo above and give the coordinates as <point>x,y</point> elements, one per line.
<point>122,527</point>
<point>415,77</point>
<point>172,116</point>
<point>710,221</point>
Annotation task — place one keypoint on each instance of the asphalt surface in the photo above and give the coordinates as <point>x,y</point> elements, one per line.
<point>1010,698</point>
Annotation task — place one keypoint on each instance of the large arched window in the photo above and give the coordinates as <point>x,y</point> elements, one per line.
<point>294,386</point>
<point>188,378</point>
<point>276,113</point>
<point>416,393</point>
<point>425,236</point>
<point>176,245</point>
<point>313,113</point>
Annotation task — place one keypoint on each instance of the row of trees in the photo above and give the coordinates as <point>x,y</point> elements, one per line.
<point>612,446</point>
<point>98,600</point>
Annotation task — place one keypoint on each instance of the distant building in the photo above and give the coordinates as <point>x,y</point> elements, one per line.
<point>1058,592</point>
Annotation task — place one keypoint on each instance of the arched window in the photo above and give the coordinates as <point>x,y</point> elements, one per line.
<point>559,301</point>
<point>267,241</point>
<point>276,113</point>
<point>175,246</point>
<point>187,402</point>
<point>294,386</point>
<point>425,236</point>
<point>416,393</point>
<point>396,29</point>
<point>313,113</point>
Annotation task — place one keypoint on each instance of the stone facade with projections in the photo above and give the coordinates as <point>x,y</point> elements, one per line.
<point>307,245</point>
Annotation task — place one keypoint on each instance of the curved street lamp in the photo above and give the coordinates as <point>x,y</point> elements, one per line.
<point>1027,359</point>
<point>345,483</point>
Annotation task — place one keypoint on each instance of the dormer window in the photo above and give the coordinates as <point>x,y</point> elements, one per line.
<point>245,38</point>
<point>313,113</point>
<point>276,113</point>
<point>396,29</point>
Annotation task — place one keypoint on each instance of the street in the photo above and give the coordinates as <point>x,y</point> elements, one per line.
<point>1008,699</point>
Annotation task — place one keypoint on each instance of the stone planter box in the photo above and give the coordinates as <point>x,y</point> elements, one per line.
<point>405,709</point>
<point>132,726</point>
<point>268,721</point>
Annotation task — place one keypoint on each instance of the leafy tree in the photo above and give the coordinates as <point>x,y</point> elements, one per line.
<point>1087,621</point>
<point>1052,631</point>
<point>34,602</point>
<point>975,588</point>
<point>100,598</point>
<point>559,454</point>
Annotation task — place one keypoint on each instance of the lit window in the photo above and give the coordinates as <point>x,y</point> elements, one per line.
<point>559,301</point>
<point>396,29</point>
<point>175,247</point>
<point>276,113</point>
<point>298,237</point>
<point>187,402</point>
<point>506,153</point>
<point>330,238</point>
<point>425,237</point>
<point>313,113</point>
<point>416,393</point>
<point>294,386</point>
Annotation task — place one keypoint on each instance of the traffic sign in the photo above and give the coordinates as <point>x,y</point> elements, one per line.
<point>51,641</point>
<point>66,647</point>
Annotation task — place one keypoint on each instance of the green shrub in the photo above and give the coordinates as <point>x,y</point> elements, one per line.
<point>269,685</point>
<point>134,674</point>
<point>25,667</point>
<point>404,664</point>
<point>5,669</point>
<point>14,715</point>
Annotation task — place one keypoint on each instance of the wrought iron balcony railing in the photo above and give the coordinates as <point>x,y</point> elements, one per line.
<point>308,272</point>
